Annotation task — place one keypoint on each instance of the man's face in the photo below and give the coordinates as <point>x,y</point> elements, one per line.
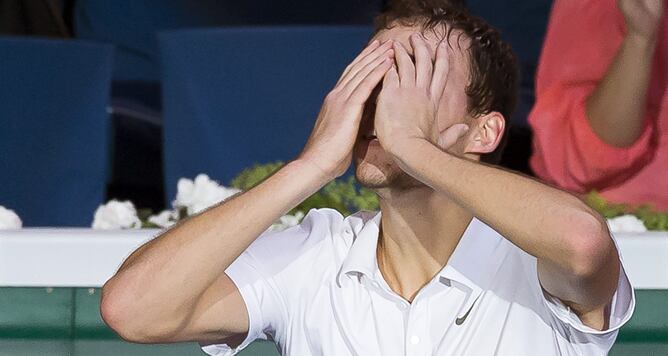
<point>375,168</point>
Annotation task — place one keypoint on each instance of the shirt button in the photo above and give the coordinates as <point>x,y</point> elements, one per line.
<point>415,340</point>
<point>347,231</point>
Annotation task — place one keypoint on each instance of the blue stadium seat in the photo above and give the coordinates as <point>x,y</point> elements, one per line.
<point>238,96</point>
<point>54,129</point>
<point>132,24</point>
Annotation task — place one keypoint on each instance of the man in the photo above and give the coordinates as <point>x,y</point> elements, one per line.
<point>467,259</point>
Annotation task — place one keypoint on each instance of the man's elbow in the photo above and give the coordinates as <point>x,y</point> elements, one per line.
<point>123,317</point>
<point>592,248</point>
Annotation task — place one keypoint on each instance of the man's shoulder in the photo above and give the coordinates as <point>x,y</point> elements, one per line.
<point>484,234</point>
<point>326,222</point>
<point>503,269</point>
<point>501,257</point>
<point>322,218</point>
<point>318,231</point>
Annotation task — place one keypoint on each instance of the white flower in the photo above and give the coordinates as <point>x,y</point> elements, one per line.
<point>116,215</point>
<point>200,194</point>
<point>9,219</point>
<point>165,219</point>
<point>626,223</point>
<point>287,221</point>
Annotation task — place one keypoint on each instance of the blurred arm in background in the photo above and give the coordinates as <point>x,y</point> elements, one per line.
<point>615,109</point>
<point>591,126</point>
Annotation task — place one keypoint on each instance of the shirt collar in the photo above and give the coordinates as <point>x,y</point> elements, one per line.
<point>361,258</point>
<point>472,264</point>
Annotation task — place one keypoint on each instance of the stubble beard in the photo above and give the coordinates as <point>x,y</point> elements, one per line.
<point>383,174</point>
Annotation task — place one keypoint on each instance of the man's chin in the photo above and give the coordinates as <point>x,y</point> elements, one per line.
<point>370,176</point>
<point>375,169</point>
<point>372,182</point>
<point>379,175</point>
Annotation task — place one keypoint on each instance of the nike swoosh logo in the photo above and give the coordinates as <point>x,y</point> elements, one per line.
<point>461,319</point>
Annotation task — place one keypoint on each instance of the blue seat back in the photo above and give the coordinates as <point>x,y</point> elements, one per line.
<point>132,25</point>
<point>53,140</point>
<point>238,96</point>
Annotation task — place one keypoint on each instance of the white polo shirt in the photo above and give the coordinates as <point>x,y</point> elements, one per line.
<point>315,289</point>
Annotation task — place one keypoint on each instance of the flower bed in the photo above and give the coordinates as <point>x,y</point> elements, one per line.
<point>343,194</point>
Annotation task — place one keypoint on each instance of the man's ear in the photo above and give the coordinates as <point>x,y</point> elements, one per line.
<point>486,133</point>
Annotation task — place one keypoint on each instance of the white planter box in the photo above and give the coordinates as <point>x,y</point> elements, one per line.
<point>52,257</point>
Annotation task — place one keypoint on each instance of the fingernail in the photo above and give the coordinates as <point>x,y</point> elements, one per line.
<point>374,42</point>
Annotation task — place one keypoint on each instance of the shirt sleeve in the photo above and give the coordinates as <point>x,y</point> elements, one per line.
<point>265,275</point>
<point>582,40</point>
<point>620,311</point>
<point>262,303</point>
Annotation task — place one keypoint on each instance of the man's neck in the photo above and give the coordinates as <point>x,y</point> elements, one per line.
<point>419,231</point>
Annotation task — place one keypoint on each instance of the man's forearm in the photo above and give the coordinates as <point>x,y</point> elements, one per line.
<point>615,110</point>
<point>545,222</point>
<point>175,268</point>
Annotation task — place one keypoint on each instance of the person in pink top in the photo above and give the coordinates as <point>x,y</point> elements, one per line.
<point>601,116</point>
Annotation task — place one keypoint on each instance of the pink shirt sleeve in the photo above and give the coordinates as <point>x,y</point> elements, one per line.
<point>582,40</point>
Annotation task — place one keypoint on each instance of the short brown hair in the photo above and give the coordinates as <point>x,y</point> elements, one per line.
<point>494,74</point>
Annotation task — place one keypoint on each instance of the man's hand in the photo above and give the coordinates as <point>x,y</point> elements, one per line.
<point>330,145</point>
<point>408,102</point>
<point>642,17</point>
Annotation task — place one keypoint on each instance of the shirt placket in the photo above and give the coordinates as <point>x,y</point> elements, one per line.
<point>381,290</point>
<point>417,329</point>
<point>416,319</point>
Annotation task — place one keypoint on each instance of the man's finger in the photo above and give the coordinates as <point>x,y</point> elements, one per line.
<point>369,83</point>
<point>405,66</point>
<point>423,65</point>
<point>391,79</point>
<point>353,83</point>
<point>441,70</point>
<point>368,49</point>
<point>357,65</point>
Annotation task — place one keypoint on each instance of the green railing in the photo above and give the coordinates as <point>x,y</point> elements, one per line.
<point>66,321</point>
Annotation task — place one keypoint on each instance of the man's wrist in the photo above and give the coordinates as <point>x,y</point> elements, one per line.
<point>410,153</point>
<point>310,172</point>
<point>641,43</point>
